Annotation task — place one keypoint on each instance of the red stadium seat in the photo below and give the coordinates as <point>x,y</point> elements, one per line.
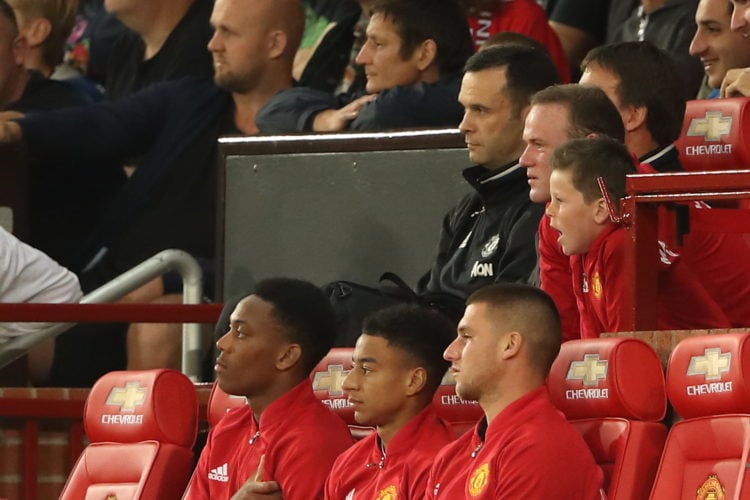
<point>714,135</point>
<point>219,403</point>
<point>612,391</point>
<point>327,379</point>
<point>460,414</point>
<point>142,426</point>
<point>707,454</point>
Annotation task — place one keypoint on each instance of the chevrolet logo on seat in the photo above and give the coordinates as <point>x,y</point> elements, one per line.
<point>331,380</point>
<point>712,364</point>
<point>591,370</point>
<point>712,127</point>
<point>128,397</point>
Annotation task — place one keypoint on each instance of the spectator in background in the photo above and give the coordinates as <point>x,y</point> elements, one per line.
<point>31,276</point>
<point>719,48</point>
<point>580,25</point>
<point>596,245</point>
<point>737,81</point>
<point>87,48</point>
<point>489,235</point>
<point>166,40</point>
<point>284,434</point>
<point>45,24</point>
<point>670,25</point>
<point>66,198</point>
<point>327,43</point>
<point>413,57</point>
<point>170,200</point>
<point>488,17</point>
<point>653,113</point>
<point>557,114</point>
<point>523,447</point>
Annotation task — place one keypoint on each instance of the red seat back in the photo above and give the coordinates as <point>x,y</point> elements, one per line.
<point>219,403</point>
<point>707,454</point>
<point>612,391</point>
<point>714,135</point>
<point>142,426</point>
<point>327,379</point>
<point>460,414</point>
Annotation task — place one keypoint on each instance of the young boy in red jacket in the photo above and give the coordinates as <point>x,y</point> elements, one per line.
<point>596,245</point>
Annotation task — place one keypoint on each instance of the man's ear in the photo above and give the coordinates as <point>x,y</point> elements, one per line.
<point>416,381</point>
<point>277,41</point>
<point>510,345</point>
<point>37,31</point>
<point>601,212</point>
<point>634,117</point>
<point>289,358</point>
<point>426,54</point>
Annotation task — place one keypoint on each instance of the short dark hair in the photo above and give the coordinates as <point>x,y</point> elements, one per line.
<point>663,96</point>
<point>589,159</point>
<point>305,313</point>
<point>532,313</point>
<point>527,70</point>
<point>422,333</point>
<point>589,110</point>
<point>512,38</point>
<point>7,12</point>
<point>443,21</point>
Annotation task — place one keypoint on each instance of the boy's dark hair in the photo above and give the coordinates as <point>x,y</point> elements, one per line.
<point>422,333</point>
<point>529,311</point>
<point>306,314</point>
<point>443,21</point>
<point>589,159</point>
<point>589,110</point>
<point>663,95</point>
<point>527,70</point>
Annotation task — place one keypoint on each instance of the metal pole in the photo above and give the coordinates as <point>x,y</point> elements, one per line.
<point>164,261</point>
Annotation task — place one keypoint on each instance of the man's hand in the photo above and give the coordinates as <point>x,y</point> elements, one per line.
<point>10,131</point>
<point>257,489</point>
<point>736,83</point>
<point>335,120</point>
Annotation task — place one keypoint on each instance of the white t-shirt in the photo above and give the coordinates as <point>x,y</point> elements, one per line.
<point>28,275</point>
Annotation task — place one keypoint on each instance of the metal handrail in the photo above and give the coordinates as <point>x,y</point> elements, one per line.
<point>164,261</point>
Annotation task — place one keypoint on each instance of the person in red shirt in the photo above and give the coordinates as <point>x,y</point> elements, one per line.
<point>596,245</point>
<point>489,17</point>
<point>398,365</point>
<point>653,116</point>
<point>276,337</point>
<point>557,114</point>
<point>523,448</point>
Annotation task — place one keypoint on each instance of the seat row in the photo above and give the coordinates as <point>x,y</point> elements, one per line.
<point>142,425</point>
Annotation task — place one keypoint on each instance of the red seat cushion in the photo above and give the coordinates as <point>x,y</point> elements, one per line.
<point>142,426</point>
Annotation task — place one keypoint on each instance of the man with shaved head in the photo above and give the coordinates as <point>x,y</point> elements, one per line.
<point>507,340</point>
<point>170,200</point>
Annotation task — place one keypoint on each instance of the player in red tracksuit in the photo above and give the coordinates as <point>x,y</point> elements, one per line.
<point>276,336</point>
<point>596,245</point>
<point>398,365</point>
<point>528,451</point>
<point>524,448</point>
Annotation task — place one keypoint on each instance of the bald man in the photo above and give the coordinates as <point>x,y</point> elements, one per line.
<point>523,447</point>
<point>170,200</point>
